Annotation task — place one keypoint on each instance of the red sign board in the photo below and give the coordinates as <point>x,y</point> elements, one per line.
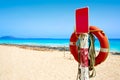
<point>82,20</point>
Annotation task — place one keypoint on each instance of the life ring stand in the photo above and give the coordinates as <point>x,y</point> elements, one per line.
<point>104,44</point>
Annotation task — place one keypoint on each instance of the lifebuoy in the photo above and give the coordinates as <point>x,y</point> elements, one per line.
<point>104,44</point>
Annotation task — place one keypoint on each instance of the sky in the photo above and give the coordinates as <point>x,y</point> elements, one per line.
<point>56,18</point>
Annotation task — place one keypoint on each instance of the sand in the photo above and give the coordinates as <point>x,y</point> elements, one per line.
<point>25,64</point>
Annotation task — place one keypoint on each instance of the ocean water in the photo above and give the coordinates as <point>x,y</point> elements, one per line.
<point>114,43</point>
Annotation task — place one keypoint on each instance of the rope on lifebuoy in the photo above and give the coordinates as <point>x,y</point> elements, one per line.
<point>104,50</point>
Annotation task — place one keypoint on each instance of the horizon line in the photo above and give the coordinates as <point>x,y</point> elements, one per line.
<point>12,37</point>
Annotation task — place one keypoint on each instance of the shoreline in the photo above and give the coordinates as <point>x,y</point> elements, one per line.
<point>39,48</point>
<point>48,48</point>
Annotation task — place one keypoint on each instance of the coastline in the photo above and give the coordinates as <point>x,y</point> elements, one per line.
<point>39,48</point>
<point>47,48</point>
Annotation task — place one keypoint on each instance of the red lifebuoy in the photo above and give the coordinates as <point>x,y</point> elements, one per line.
<point>104,44</point>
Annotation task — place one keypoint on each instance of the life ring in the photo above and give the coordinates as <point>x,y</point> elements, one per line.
<point>104,44</point>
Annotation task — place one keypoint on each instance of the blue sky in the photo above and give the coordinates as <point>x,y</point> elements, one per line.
<point>56,18</point>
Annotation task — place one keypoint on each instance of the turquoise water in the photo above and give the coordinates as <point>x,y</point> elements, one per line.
<point>114,43</point>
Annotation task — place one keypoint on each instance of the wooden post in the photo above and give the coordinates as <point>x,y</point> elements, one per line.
<point>84,56</point>
<point>82,29</point>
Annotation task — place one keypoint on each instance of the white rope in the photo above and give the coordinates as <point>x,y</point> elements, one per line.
<point>104,49</point>
<point>72,43</point>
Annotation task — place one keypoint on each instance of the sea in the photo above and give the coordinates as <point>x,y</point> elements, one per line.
<point>114,43</point>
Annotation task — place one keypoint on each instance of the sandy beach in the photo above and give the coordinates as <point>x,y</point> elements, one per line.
<point>24,63</point>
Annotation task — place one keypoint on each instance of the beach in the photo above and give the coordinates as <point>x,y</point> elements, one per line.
<point>30,63</point>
